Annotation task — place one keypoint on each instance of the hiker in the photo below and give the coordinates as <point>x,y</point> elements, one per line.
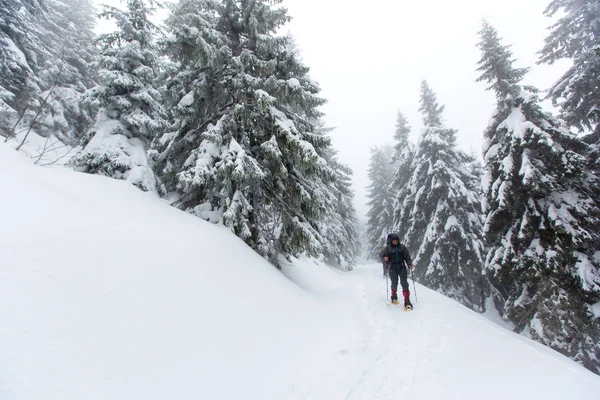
<point>398,258</point>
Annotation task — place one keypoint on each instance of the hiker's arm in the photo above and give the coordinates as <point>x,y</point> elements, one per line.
<point>386,255</point>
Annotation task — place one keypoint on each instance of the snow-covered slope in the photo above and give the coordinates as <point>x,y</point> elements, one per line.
<point>108,293</point>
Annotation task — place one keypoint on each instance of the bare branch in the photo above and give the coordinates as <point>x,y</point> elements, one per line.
<point>53,146</point>
<point>43,150</point>
<point>58,158</point>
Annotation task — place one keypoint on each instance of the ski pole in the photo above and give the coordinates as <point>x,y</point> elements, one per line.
<point>387,294</point>
<point>414,286</point>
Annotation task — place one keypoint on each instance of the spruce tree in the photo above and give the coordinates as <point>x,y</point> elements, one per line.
<point>130,111</point>
<point>195,87</point>
<point>65,72</point>
<point>46,46</point>
<point>539,215</point>
<point>439,216</point>
<point>403,155</point>
<point>380,213</point>
<point>576,36</point>
<point>339,226</point>
<point>19,45</point>
<point>245,149</point>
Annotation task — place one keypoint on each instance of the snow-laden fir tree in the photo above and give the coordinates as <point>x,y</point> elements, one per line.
<point>339,225</point>
<point>381,199</point>
<point>539,215</point>
<point>19,44</point>
<point>65,68</point>
<point>130,111</point>
<point>440,212</point>
<point>576,36</point>
<point>404,152</point>
<point>45,46</point>
<point>195,86</point>
<point>245,149</point>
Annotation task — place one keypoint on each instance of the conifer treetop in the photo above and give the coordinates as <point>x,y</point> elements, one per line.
<point>496,64</point>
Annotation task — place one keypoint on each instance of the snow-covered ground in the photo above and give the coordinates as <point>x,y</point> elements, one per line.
<point>106,292</point>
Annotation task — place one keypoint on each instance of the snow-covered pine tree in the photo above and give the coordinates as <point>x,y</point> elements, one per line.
<point>244,150</point>
<point>404,152</point>
<point>131,114</point>
<point>339,227</point>
<point>65,68</point>
<point>45,47</point>
<point>539,215</point>
<point>439,216</point>
<point>379,215</point>
<point>404,199</point>
<point>195,87</point>
<point>19,44</point>
<point>576,36</point>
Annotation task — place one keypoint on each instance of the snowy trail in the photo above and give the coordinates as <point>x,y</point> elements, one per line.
<point>399,338</point>
<point>441,350</point>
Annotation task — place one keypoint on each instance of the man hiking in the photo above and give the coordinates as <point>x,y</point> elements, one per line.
<point>398,258</point>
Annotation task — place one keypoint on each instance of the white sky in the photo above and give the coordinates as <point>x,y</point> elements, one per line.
<point>369,59</point>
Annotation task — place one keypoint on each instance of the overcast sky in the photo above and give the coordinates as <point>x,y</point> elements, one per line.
<point>369,58</point>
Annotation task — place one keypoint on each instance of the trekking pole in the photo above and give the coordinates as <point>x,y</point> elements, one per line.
<point>414,286</point>
<point>387,295</point>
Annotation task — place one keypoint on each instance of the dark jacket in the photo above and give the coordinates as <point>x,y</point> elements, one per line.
<point>398,254</point>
